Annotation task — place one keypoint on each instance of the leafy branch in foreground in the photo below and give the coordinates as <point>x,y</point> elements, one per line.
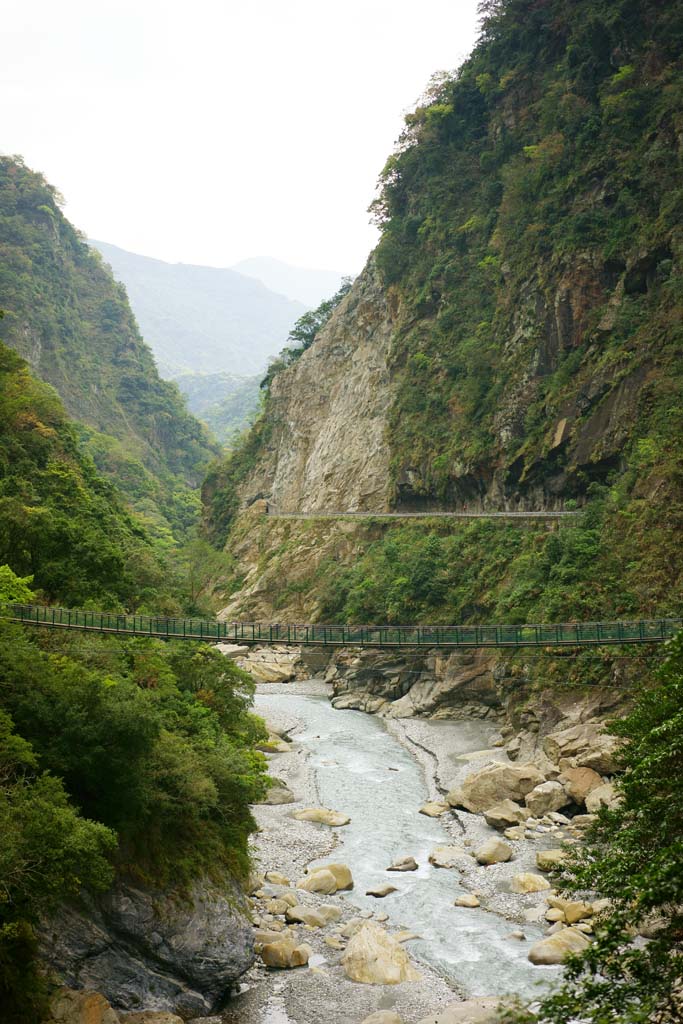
<point>633,971</point>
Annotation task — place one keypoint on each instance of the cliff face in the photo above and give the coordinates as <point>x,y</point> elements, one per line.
<point>515,341</point>
<point>328,450</point>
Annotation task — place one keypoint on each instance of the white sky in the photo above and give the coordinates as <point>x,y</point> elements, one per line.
<point>213,130</point>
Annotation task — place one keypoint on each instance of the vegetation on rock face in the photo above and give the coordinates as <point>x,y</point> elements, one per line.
<point>531,229</point>
<point>67,316</point>
<point>531,252</point>
<point>633,857</point>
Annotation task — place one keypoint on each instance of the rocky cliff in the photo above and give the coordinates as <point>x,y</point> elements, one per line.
<point>327,449</point>
<point>513,343</point>
<point>153,950</point>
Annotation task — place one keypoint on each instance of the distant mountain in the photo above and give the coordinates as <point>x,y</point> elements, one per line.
<point>203,319</point>
<point>307,286</point>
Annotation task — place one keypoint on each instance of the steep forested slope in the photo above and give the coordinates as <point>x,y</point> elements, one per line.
<point>66,315</point>
<point>117,758</point>
<point>515,343</point>
<point>531,228</point>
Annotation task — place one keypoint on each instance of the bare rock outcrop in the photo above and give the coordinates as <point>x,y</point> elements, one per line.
<point>141,947</point>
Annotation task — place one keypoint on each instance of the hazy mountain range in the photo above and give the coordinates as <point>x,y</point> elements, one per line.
<point>214,330</point>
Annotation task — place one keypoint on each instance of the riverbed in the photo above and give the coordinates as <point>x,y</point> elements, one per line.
<point>352,762</point>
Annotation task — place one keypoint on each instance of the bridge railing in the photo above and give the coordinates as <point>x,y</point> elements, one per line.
<point>528,635</point>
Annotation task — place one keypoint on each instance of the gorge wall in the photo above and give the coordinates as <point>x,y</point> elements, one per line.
<point>513,343</point>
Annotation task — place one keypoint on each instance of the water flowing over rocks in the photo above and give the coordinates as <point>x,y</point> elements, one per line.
<point>143,948</point>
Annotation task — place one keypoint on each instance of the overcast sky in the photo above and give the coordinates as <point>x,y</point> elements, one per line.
<point>213,130</point>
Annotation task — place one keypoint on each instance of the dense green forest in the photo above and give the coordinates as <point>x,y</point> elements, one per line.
<point>71,321</point>
<point>124,759</point>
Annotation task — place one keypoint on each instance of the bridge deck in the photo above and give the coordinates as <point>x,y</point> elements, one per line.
<point>513,516</point>
<point>568,634</point>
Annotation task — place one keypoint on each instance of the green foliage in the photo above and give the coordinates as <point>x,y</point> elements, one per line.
<point>68,317</point>
<point>594,567</point>
<point>47,851</point>
<point>305,331</point>
<point>226,403</point>
<point>129,756</point>
<point>15,588</point>
<point>544,172</point>
<point>633,857</point>
<point>60,521</point>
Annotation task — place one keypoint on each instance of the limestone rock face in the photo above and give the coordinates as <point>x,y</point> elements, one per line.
<point>549,796</point>
<point>587,743</point>
<point>555,948</point>
<point>138,945</point>
<point>493,783</point>
<point>373,957</point>
<point>152,1017</point>
<point>329,450</point>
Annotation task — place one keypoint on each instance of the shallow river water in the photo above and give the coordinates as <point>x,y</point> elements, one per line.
<point>365,772</point>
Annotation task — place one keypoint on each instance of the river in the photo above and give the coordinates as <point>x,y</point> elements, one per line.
<point>362,770</point>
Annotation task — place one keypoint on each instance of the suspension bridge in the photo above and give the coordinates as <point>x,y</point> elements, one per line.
<point>566,634</point>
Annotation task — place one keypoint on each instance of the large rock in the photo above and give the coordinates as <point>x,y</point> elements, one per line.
<point>373,957</point>
<point>306,915</point>
<point>434,808</point>
<point>322,816</point>
<point>555,948</point>
<point>505,814</point>
<point>493,783</point>
<point>447,856</point>
<point>278,793</point>
<point>493,851</point>
<point>587,743</point>
<point>342,874</point>
<point>484,1010</point>
<point>550,860</point>
<point>602,796</point>
<point>321,881</point>
<point>579,782</point>
<point>380,891</point>
<point>164,950</point>
<point>527,882</point>
<point>84,1007</point>
<point>286,953</point>
<point>403,864</point>
<point>549,796</point>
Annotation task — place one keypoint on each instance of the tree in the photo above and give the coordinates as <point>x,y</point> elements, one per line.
<point>634,857</point>
<point>305,331</point>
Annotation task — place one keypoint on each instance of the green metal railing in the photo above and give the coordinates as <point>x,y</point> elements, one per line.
<point>567,634</point>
